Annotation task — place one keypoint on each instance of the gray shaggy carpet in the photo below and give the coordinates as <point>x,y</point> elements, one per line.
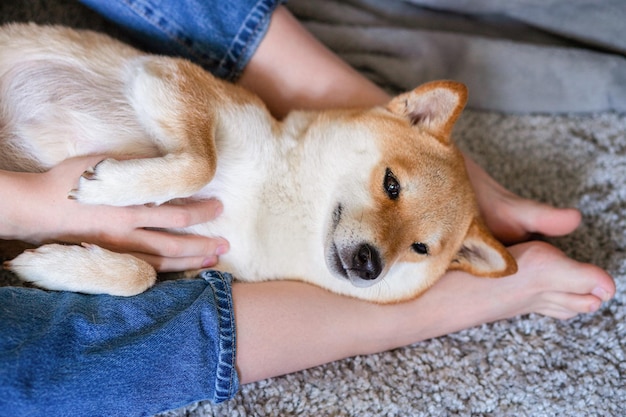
<point>526,366</point>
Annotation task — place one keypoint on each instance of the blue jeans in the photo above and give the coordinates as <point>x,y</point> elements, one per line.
<point>221,36</point>
<point>65,354</point>
<point>68,354</point>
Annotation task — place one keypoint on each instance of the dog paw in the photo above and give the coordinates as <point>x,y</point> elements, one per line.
<point>106,183</point>
<point>87,269</point>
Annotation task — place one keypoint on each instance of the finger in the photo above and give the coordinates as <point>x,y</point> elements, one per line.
<point>162,264</point>
<point>178,215</point>
<point>169,245</point>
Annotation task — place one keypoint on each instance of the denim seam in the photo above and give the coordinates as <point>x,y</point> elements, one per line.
<point>226,384</point>
<point>230,65</point>
<point>238,49</point>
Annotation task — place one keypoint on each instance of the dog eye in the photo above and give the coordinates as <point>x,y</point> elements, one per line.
<point>420,248</point>
<point>391,185</point>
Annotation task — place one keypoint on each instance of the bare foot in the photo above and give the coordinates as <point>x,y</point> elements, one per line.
<point>554,285</point>
<point>513,219</point>
<point>548,283</point>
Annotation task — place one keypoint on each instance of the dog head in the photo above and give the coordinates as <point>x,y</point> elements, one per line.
<point>409,213</point>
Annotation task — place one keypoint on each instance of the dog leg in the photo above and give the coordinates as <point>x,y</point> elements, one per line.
<point>140,181</point>
<point>174,101</point>
<point>87,269</point>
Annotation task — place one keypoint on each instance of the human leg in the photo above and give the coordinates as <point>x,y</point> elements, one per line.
<point>323,327</point>
<point>69,354</point>
<point>513,219</point>
<point>286,326</point>
<point>220,36</point>
<point>289,57</point>
<point>292,70</point>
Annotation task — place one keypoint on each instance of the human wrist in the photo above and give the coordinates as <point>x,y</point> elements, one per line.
<point>13,190</point>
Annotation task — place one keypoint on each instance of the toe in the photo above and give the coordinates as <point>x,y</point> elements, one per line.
<point>564,306</point>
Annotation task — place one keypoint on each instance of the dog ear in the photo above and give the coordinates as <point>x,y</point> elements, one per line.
<point>482,255</point>
<point>433,106</point>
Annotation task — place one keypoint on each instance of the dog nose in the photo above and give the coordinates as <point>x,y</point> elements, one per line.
<point>366,262</point>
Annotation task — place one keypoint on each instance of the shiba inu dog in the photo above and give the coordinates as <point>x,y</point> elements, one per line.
<point>371,203</point>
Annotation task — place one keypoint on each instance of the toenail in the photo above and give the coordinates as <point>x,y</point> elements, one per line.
<point>595,306</point>
<point>601,293</point>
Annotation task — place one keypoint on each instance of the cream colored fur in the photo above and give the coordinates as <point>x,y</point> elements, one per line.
<point>371,203</point>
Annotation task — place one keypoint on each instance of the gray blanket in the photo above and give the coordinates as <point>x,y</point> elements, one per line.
<point>529,365</point>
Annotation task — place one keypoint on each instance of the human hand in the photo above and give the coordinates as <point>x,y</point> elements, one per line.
<point>513,219</point>
<point>40,212</point>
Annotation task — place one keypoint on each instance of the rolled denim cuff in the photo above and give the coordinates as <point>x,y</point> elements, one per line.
<point>226,378</point>
<point>221,36</point>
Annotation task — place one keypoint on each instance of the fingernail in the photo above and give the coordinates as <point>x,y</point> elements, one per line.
<point>221,249</point>
<point>219,209</point>
<point>210,261</point>
<point>601,293</point>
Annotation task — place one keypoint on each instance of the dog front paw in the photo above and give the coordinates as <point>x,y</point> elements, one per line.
<point>87,269</point>
<point>108,182</point>
<point>141,181</point>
